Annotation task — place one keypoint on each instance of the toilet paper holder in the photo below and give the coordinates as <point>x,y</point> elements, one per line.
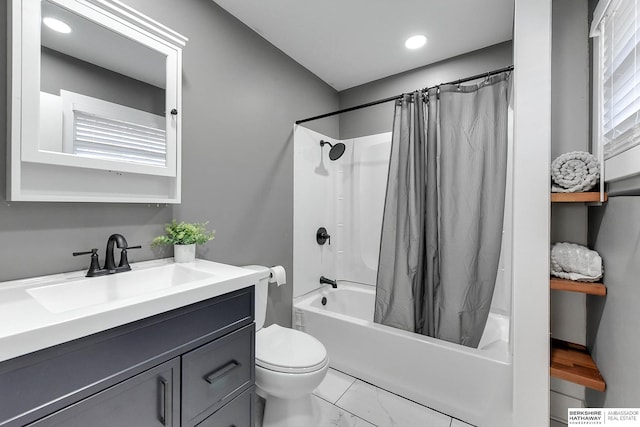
<point>277,275</point>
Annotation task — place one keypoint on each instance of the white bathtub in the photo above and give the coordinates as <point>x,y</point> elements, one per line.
<point>473,385</point>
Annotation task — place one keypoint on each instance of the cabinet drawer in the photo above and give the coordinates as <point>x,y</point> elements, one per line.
<point>215,373</point>
<point>237,413</point>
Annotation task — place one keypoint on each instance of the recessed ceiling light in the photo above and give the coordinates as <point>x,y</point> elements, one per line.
<point>56,25</point>
<point>415,42</point>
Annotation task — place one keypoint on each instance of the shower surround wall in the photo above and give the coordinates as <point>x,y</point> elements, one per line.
<point>361,188</point>
<point>346,196</point>
<point>314,186</point>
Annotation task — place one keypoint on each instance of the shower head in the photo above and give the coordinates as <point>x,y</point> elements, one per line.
<point>337,150</point>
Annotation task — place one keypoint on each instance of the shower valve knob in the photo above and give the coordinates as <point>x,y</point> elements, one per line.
<point>322,236</point>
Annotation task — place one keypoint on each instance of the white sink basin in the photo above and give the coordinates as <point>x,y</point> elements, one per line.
<point>79,293</point>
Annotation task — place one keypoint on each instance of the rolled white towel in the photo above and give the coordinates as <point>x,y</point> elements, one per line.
<point>575,262</point>
<point>574,171</point>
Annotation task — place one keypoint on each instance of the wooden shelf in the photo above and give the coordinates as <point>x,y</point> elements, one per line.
<point>590,196</point>
<point>572,362</point>
<point>591,288</point>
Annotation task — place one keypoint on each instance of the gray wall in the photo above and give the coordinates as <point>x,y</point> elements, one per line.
<point>241,96</point>
<point>379,118</point>
<point>60,71</point>
<point>614,319</point>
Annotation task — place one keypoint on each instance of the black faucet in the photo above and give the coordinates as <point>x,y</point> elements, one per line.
<point>325,281</point>
<point>109,261</point>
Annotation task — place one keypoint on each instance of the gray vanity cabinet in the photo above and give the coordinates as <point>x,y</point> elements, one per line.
<point>193,366</point>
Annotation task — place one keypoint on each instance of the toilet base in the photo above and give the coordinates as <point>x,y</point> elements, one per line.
<point>299,412</point>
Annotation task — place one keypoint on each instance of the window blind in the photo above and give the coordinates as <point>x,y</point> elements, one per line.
<point>105,138</point>
<point>620,77</point>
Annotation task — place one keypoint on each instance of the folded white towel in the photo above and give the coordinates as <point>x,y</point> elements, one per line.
<point>574,171</point>
<point>575,262</point>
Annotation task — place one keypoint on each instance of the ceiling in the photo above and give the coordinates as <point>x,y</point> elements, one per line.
<point>351,42</point>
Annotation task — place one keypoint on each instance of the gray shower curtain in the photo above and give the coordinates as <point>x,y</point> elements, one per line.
<point>443,213</point>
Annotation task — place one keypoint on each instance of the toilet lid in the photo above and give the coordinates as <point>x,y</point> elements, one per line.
<point>287,350</point>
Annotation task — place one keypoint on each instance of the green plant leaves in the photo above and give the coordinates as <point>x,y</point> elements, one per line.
<point>184,233</point>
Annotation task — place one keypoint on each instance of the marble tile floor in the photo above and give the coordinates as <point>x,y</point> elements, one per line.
<point>345,401</point>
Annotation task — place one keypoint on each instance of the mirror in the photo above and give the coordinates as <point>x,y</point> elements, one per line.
<point>95,87</point>
<point>102,95</point>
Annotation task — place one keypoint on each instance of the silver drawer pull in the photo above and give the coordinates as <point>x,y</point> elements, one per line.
<point>219,373</point>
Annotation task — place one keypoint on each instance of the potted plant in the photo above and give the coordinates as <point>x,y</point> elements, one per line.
<point>184,237</point>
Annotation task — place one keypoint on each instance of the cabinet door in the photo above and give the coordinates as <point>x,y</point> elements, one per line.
<point>150,399</point>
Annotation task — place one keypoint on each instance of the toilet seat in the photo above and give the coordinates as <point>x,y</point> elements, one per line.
<point>289,351</point>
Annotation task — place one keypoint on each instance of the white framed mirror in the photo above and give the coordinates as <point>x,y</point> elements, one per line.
<point>95,103</point>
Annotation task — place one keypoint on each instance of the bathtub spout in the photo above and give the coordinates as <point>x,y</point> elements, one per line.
<point>325,281</point>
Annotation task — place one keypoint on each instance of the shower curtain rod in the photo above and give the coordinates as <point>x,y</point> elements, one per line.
<point>393,98</point>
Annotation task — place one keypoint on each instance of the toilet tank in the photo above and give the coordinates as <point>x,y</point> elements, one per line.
<point>261,293</point>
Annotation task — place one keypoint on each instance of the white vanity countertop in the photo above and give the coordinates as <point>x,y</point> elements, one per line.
<point>29,323</point>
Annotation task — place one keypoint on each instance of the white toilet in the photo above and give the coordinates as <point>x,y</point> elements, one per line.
<point>289,366</point>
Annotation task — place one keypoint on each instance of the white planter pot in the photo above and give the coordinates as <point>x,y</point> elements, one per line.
<point>184,253</point>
